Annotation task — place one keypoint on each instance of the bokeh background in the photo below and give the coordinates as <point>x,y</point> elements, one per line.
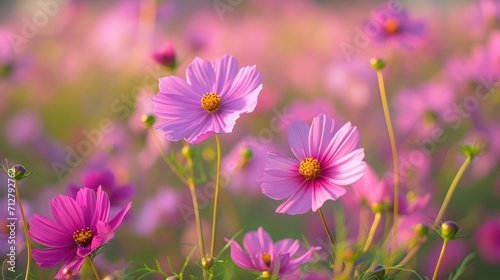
<point>76,76</point>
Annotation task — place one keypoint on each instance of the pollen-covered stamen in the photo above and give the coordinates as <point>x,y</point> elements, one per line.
<point>309,168</point>
<point>391,25</point>
<point>266,258</point>
<point>210,102</point>
<point>83,237</point>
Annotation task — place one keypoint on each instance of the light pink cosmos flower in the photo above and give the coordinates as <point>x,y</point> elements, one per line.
<point>210,101</point>
<point>261,254</point>
<point>325,161</point>
<point>79,227</point>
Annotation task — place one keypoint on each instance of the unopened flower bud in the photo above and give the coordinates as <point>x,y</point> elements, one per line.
<point>148,120</point>
<point>378,272</point>
<point>422,230</point>
<point>187,151</point>
<point>377,63</point>
<point>6,69</point>
<point>349,254</point>
<point>17,172</point>
<point>165,56</point>
<point>449,229</point>
<point>207,262</point>
<point>266,274</point>
<point>172,278</point>
<point>246,153</point>
<point>379,207</point>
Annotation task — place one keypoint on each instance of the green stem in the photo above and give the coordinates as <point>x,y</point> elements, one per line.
<point>394,151</point>
<point>373,228</point>
<point>167,160</point>
<point>216,198</point>
<point>438,265</point>
<point>93,268</point>
<point>26,230</point>
<point>327,230</point>
<point>452,188</point>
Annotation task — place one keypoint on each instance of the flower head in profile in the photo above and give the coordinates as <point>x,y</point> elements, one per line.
<point>210,101</point>
<point>324,161</point>
<point>79,227</point>
<point>262,255</point>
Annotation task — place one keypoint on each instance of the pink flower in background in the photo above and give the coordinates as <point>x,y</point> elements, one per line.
<point>244,164</point>
<point>165,55</point>
<point>419,110</point>
<point>105,179</point>
<point>395,28</point>
<point>261,254</point>
<point>80,226</point>
<point>488,241</point>
<point>370,190</point>
<point>325,161</point>
<point>212,99</point>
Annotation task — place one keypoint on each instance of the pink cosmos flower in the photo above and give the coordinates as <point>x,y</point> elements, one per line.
<point>261,254</point>
<point>395,28</point>
<point>79,227</point>
<point>210,101</point>
<point>488,241</point>
<point>325,161</point>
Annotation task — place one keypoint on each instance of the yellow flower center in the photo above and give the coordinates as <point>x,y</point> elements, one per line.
<point>309,168</point>
<point>391,26</point>
<point>266,258</point>
<point>83,237</point>
<point>210,102</point>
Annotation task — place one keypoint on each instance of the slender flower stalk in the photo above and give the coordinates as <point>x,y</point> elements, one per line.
<point>378,65</point>
<point>376,221</point>
<point>26,229</point>
<point>327,230</point>
<point>192,189</point>
<point>453,186</point>
<point>167,161</point>
<point>216,198</point>
<point>93,268</point>
<point>438,265</point>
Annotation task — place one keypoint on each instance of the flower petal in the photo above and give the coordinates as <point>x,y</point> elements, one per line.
<point>52,256</point>
<point>346,170</point>
<point>226,69</point>
<point>323,191</point>
<point>320,135</point>
<point>299,202</point>
<point>70,268</point>
<point>256,241</point>
<point>240,257</point>
<point>344,142</point>
<point>49,233</point>
<point>67,213</point>
<point>298,138</point>
<point>86,198</point>
<point>201,75</point>
<point>286,246</point>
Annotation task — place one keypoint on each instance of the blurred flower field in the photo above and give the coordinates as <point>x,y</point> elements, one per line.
<point>377,121</point>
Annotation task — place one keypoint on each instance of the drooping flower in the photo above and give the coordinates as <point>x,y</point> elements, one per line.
<point>395,28</point>
<point>325,161</point>
<point>79,227</point>
<point>262,255</point>
<point>210,101</point>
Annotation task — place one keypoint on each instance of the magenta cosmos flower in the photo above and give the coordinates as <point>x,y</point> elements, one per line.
<point>210,101</point>
<point>79,227</point>
<point>324,162</point>
<point>262,255</point>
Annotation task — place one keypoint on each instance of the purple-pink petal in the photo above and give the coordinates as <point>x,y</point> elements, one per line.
<point>49,233</point>
<point>320,135</point>
<point>201,75</point>
<point>226,69</point>
<point>70,267</point>
<point>50,257</point>
<point>240,257</point>
<point>256,241</point>
<point>67,213</point>
<point>299,202</point>
<point>298,139</point>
